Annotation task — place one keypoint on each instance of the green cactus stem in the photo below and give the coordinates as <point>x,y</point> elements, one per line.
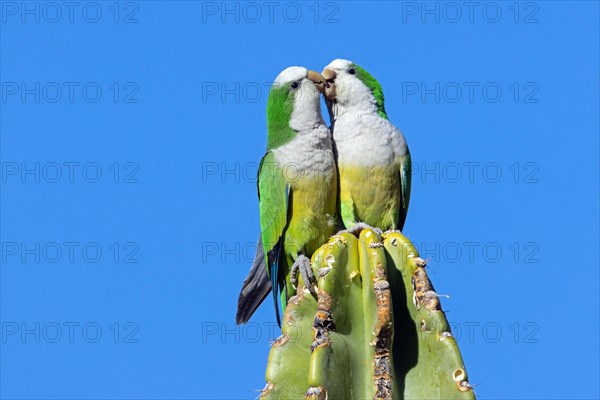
<point>375,330</point>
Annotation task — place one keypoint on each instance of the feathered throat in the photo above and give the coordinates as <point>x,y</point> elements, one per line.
<point>334,109</point>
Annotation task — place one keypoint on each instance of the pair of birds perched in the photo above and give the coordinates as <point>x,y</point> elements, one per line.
<point>359,170</point>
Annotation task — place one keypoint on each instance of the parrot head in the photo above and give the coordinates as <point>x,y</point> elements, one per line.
<point>350,87</point>
<point>294,102</point>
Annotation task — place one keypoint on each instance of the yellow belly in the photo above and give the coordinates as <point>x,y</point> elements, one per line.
<point>313,214</point>
<point>312,220</point>
<point>370,195</point>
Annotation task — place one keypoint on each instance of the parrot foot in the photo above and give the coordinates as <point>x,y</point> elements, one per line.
<point>359,227</point>
<point>302,264</point>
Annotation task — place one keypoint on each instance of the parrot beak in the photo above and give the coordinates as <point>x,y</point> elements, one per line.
<point>317,79</point>
<point>329,76</point>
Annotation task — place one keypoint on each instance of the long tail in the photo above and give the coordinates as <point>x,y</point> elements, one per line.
<point>255,288</point>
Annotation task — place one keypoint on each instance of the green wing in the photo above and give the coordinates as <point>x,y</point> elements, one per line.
<point>405,177</point>
<point>273,196</point>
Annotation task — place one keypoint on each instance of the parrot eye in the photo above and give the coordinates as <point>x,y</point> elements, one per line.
<point>294,85</point>
<point>351,71</point>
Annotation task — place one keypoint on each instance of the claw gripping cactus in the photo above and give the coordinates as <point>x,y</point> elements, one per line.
<point>375,331</point>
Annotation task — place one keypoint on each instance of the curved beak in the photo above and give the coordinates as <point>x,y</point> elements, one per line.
<point>329,75</point>
<point>317,79</point>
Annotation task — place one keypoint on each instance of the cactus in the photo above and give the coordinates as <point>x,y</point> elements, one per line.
<point>375,331</point>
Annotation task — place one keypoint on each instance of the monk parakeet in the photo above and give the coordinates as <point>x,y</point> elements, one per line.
<point>372,156</point>
<point>297,189</point>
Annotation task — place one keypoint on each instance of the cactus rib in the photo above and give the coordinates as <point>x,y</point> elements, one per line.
<point>375,329</point>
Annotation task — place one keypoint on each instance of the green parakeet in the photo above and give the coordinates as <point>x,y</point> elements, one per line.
<point>297,189</point>
<point>372,156</point>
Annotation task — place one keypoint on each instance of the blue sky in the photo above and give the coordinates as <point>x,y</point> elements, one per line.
<point>130,139</point>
